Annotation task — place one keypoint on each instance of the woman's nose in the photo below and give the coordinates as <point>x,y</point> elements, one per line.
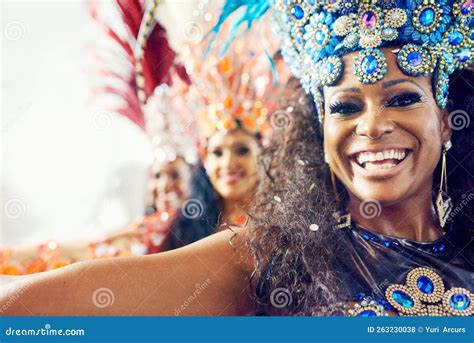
<point>164,183</point>
<point>228,159</point>
<point>374,122</point>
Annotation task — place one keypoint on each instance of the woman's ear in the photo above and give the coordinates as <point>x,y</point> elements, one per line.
<point>445,126</point>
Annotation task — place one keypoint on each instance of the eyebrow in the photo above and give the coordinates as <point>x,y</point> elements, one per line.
<point>391,83</point>
<point>228,145</point>
<point>348,90</point>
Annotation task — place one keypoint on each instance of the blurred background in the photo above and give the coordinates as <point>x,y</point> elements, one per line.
<point>67,171</point>
<point>125,129</point>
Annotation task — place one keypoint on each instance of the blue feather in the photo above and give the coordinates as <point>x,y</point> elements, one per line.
<point>254,10</point>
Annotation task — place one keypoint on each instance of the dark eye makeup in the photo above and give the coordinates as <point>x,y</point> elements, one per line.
<point>400,100</point>
<point>242,150</point>
<point>404,99</point>
<point>344,108</point>
<point>217,152</point>
<point>175,175</point>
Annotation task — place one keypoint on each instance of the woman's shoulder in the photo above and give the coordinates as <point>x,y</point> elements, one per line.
<point>228,244</point>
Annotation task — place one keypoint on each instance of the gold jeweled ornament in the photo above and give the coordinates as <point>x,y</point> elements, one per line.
<point>427,284</point>
<point>367,308</point>
<point>404,299</point>
<point>424,295</point>
<point>458,302</point>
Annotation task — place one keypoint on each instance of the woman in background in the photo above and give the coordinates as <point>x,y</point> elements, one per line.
<point>233,98</point>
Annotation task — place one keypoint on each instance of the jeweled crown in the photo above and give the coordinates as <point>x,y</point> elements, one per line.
<point>236,89</point>
<point>432,36</point>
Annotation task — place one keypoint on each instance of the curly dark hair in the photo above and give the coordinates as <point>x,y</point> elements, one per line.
<point>297,192</point>
<point>189,229</point>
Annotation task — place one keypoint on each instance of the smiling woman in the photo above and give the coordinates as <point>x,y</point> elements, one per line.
<point>389,111</point>
<point>231,163</point>
<point>383,141</point>
<point>233,96</point>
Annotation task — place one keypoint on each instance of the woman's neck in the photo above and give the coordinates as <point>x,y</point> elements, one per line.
<point>411,218</point>
<point>234,212</point>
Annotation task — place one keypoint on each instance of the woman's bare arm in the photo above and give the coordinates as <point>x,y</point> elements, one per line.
<point>209,277</point>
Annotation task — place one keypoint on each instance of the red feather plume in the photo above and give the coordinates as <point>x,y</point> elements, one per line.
<point>157,63</point>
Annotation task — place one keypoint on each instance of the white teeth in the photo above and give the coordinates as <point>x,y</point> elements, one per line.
<point>388,154</point>
<point>372,166</point>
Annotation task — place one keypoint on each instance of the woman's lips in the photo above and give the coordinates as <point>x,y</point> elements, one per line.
<point>380,164</point>
<point>232,178</point>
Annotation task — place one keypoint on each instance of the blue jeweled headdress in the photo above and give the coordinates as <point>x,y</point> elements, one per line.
<point>433,36</point>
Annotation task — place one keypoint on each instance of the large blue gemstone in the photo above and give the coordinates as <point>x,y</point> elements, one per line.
<point>297,12</point>
<point>460,301</point>
<point>455,38</point>
<point>367,313</point>
<point>427,17</point>
<point>425,285</point>
<point>320,36</point>
<point>403,299</point>
<point>414,58</point>
<point>464,54</point>
<point>369,64</point>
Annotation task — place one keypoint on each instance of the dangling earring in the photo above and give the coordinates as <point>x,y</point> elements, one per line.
<point>444,205</point>
<point>343,219</point>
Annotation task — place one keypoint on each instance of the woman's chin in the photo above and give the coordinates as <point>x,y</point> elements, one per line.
<point>234,193</point>
<point>382,196</point>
